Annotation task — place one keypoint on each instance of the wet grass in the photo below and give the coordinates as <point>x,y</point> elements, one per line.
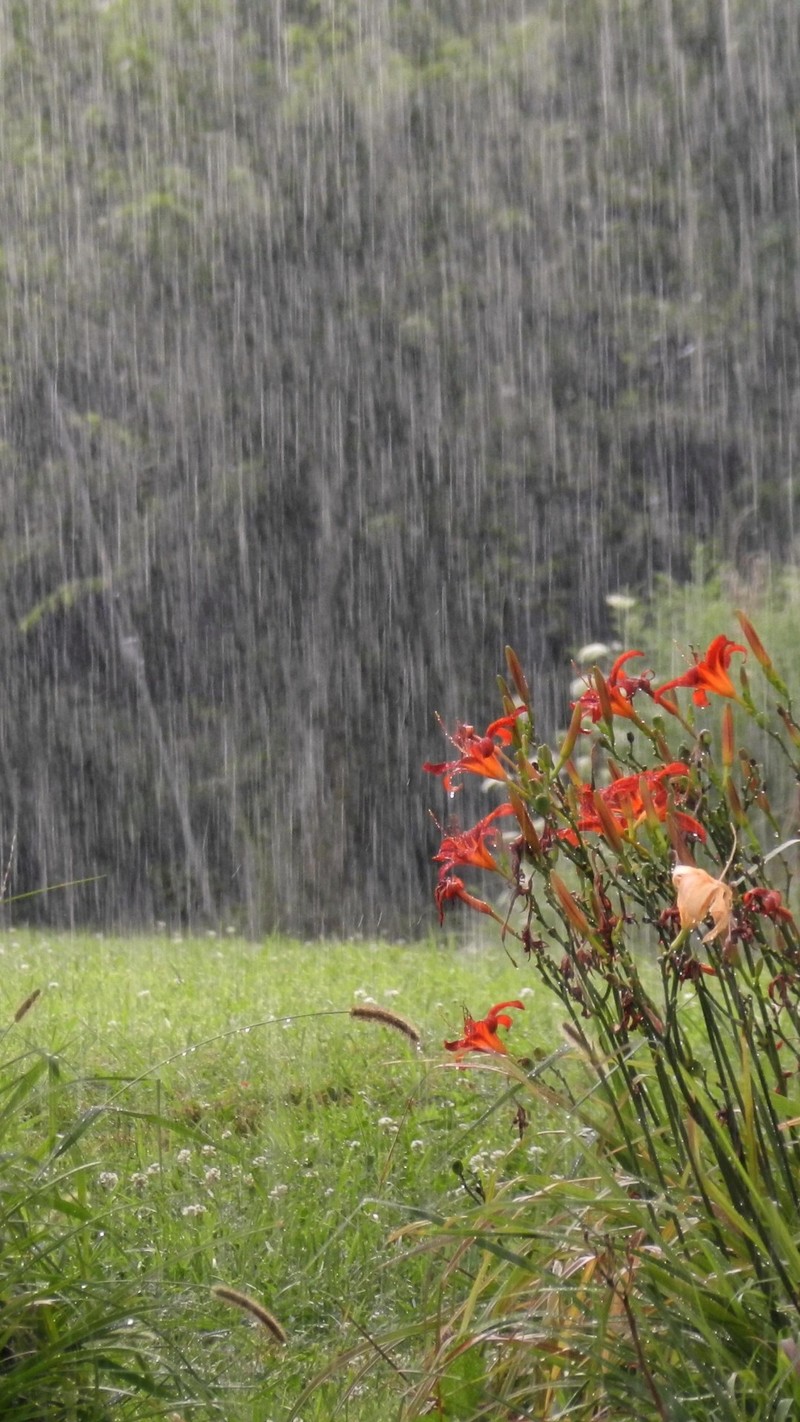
<point>251,1133</point>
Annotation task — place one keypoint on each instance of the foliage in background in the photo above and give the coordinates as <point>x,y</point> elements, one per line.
<point>658,1277</point>
<point>318,323</point>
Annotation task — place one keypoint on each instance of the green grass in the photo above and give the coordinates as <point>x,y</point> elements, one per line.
<point>246,1140</point>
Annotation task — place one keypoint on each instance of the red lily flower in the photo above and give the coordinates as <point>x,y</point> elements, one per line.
<point>452,887</point>
<point>621,690</point>
<point>481,1035</point>
<point>627,790</point>
<point>625,801</point>
<point>478,753</point>
<point>709,673</point>
<point>768,902</point>
<point>469,846</point>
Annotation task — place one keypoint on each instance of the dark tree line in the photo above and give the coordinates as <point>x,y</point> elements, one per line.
<point>341,344</point>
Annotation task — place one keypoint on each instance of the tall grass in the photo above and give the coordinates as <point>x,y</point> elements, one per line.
<point>184,1117</point>
<point>78,1340</point>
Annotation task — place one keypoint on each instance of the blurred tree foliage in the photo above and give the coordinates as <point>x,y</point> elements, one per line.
<point>341,343</point>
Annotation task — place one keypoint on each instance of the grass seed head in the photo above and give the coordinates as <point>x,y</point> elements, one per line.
<point>387,1018</point>
<point>26,1006</point>
<point>251,1306</point>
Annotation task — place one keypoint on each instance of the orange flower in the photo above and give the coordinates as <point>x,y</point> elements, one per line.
<point>700,896</point>
<point>481,1035</point>
<point>451,887</point>
<point>479,754</point>
<point>624,802</point>
<point>621,689</point>
<point>469,846</point>
<point>709,673</point>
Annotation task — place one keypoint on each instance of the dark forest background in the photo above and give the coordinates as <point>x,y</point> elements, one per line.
<point>340,344</point>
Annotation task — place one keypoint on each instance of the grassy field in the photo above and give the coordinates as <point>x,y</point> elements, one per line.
<point>253,1134</point>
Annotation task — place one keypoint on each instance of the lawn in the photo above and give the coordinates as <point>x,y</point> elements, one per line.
<point>252,1135</point>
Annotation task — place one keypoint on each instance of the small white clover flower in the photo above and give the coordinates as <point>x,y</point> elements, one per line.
<point>208,1150</point>
<point>183,1157</point>
<point>139,1180</point>
<point>154,1169</point>
<point>417,1145</point>
<point>192,1211</point>
<point>212,1175</point>
<point>108,1180</point>
<point>277,1191</point>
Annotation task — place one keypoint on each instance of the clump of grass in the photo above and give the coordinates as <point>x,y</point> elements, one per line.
<point>77,1339</point>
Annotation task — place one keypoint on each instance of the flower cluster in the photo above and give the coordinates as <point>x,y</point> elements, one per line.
<point>630,835</point>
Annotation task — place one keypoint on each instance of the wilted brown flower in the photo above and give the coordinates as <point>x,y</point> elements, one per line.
<point>701,896</point>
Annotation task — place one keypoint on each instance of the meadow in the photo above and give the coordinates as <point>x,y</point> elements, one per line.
<point>179,1114</point>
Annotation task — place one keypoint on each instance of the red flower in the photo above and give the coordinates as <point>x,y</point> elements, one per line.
<point>709,673</point>
<point>479,754</point>
<point>625,801</point>
<point>453,888</point>
<point>768,902</point>
<point>621,690</point>
<point>469,846</point>
<point>481,1035</point>
<point>627,790</point>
